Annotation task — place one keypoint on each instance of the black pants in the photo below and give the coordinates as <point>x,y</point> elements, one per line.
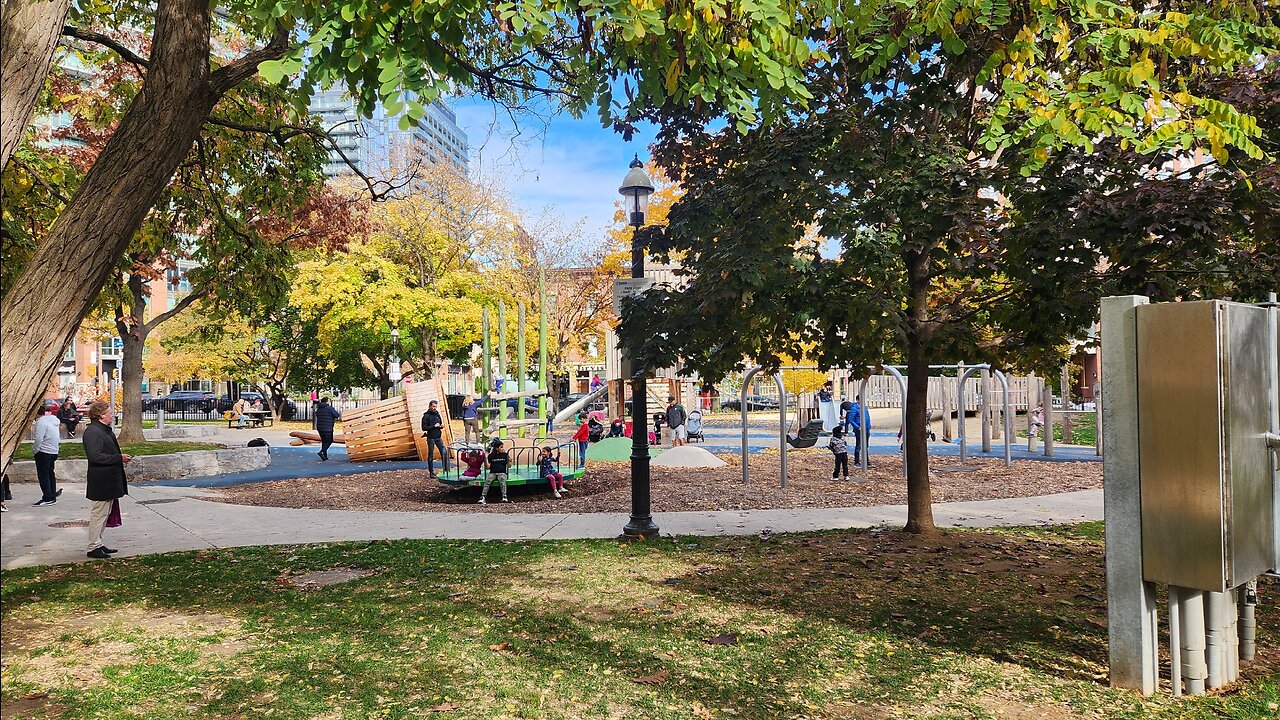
<point>326,439</point>
<point>842,464</point>
<point>71,427</point>
<point>44,471</point>
<point>432,444</point>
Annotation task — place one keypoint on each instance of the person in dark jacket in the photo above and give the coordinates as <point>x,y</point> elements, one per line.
<point>326,416</point>
<point>433,430</point>
<point>69,415</point>
<point>105,481</point>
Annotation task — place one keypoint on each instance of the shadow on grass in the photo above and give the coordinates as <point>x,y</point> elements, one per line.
<point>1035,602</point>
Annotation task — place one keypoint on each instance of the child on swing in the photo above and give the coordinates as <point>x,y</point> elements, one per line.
<point>547,464</point>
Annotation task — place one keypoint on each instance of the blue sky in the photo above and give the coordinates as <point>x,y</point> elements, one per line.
<point>572,166</point>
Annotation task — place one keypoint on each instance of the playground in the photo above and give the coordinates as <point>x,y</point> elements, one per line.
<point>605,487</point>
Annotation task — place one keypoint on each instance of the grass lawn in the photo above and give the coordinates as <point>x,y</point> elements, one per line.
<point>1084,430</point>
<point>827,625</point>
<point>70,450</point>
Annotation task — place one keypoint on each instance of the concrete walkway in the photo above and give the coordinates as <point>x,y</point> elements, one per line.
<point>161,519</point>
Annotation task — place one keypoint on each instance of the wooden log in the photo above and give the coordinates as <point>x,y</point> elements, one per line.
<point>309,436</point>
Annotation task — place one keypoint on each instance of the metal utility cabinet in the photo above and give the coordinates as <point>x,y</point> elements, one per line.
<point>1203,411</point>
<point>1191,483</point>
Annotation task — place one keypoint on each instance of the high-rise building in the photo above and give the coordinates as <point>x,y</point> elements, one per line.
<point>378,146</point>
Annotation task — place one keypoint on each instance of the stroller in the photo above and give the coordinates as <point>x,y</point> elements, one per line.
<point>694,426</point>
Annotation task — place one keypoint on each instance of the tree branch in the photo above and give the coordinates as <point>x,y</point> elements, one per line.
<point>228,76</point>
<point>18,162</point>
<point>283,133</point>
<point>108,42</point>
<point>181,305</point>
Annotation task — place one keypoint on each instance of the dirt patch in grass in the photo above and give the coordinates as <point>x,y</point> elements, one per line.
<point>74,649</point>
<point>606,487</point>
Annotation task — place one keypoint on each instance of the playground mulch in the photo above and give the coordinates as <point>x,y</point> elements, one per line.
<point>606,487</point>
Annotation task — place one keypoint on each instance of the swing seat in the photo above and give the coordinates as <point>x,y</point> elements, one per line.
<point>808,436</point>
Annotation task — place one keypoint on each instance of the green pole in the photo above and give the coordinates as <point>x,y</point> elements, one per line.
<point>522,362</point>
<point>486,369</point>
<point>502,355</point>
<point>542,352</point>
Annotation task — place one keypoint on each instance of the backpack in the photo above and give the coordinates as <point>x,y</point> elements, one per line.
<point>257,442</point>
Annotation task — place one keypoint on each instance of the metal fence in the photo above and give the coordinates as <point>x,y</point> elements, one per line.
<point>201,411</point>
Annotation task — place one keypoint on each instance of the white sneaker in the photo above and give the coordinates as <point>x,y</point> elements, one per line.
<point>483,502</point>
<point>505,500</point>
<point>556,493</point>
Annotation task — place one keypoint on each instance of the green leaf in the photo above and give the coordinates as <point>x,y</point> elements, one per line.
<point>272,70</point>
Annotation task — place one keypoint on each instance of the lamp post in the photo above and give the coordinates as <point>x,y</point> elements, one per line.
<point>636,189</point>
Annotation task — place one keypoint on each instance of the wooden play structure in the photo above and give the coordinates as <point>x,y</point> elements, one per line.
<point>392,429</point>
<point>389,429</point>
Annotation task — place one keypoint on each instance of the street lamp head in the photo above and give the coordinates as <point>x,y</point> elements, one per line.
<point>395,336</point>
<point>636,189</point>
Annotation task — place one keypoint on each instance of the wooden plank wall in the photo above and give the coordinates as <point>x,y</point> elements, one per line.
<point>379,431</point>
<point>884,391</point>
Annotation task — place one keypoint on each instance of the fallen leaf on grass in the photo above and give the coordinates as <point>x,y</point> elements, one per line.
<point>35,695</point>
<point>501,647</point>
<point>444,707</point>
<point>655,679</point>
<point>723,639</point>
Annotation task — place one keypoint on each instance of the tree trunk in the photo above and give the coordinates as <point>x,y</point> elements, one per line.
<point>38,318</point>
<point>133,335</point>
<point>915,440</point>
<point>29,32</point>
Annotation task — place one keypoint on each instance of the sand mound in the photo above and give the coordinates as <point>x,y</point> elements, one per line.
<point>687,456</point>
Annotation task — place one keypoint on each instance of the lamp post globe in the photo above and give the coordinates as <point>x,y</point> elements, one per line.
<point>636,189</point>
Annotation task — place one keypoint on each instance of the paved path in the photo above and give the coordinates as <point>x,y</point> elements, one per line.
<point>161,519</point>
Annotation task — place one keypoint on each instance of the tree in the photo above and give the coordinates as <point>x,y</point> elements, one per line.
<point>358,296</point>
<point>28,35</point>
<point>234,207</point>
<point>927,132</point>
<point>397,53</point>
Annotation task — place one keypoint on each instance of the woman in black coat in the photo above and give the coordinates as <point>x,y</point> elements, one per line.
<point>105,481</point>
<point>69,415</point>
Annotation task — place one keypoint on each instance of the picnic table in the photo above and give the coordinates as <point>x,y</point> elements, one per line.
<point>257,418</point>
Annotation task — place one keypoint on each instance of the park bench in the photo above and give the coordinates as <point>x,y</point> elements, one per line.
<point>257,418</point>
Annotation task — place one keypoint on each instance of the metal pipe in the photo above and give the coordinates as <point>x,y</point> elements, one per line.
<point>1008,418</point>
<point>985,409</point>
<point>964,377</point>
<point>1192,639</point>
<point>902,384</point>
<point>782,427</point>
<point>864,432</point>
<point>1215,626</point>
<point>1047,400</point>
<point>1175,657</point>
<point>1248,623</point>
<point>1233,636</point>
<point>742,408</point>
